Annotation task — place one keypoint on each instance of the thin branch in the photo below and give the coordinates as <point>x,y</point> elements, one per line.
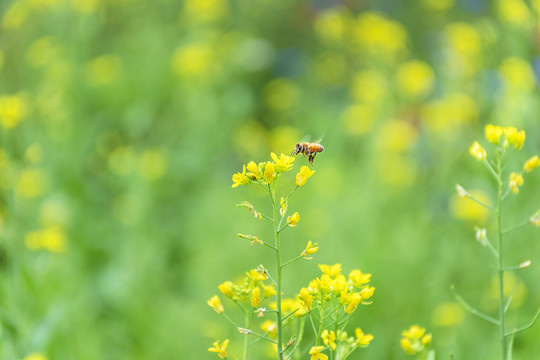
<point>507,304</point>
<point>515,227</point>
<point>491,170</point>
<point>473,310</point>
<point>290,261</point>
<point>530,325</point>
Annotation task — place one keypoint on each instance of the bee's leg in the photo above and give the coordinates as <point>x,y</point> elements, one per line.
<point>312,157</point>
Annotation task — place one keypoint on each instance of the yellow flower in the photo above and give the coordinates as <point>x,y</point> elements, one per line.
<point>227,289</point>
<point>240,178</point>
<point>407,346</point>
<point>255,297</point>
<point>363,340</point>
<point>13,109</point>
<point>283,163</point>
<point>152,165</point>
<point>514,12</point>
<point>426,339</point>
<point>103,69</point>
<point>35,356</point>
<point>51,238</point>
<point>415,78</point>
<point>269,327</point>
<point>331,270</point>
<point>340,284</point>
<point>310,249</point>
<point>517,74</point>
<point>315,353</point>
<point>493,133</point>
<point>293,219</point>
<point>215,304</point>
<point>329,338</point>
<point>516,180</point>
<point>303,175</point>
<point>220,349</point>
<point>193,59</point>
<point>253,168</point>
<point>269,172</point>
<point>205,10</point>
<point>350,302</point>
<point>358,278</point>
<point>514,137</point>
<point>531,164</point>
<point>256,275</point>
<point>324,283</point>
<point>268,290</point>
<point>414,332</point>
<point>367,292</point>
<point>306,298</point>
<point>477,151</point>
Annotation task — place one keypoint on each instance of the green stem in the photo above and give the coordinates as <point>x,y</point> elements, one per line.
<point>247,323</point>
<point>321,323</point>
<point>278,270</point>
<point>501,267</point>
<point>299,338</point>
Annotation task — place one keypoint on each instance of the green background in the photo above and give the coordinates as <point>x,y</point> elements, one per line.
<point>135,114</point>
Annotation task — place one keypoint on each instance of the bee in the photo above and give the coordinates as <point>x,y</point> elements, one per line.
<point>308,149</point>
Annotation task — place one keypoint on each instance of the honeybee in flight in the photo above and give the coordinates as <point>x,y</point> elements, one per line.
<point>308,149</point>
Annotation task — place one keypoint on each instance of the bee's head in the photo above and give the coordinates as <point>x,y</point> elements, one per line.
<point>297,149</point>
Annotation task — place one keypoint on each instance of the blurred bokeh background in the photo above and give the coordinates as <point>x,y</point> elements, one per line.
<point>122,122</point>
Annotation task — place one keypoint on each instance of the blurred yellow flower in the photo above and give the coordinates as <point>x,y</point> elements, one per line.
<point>206,10</point>
<point>269,327</point>
<point>256,297</point>
<point>122,160</point>
<point>415,79</point>
<point>330,68</point>
<point>380,36</point>
<point>303,175</point>
<point>215,304</point>
<point>15,15</point>
<point>406,345</point>
<point>369,86</point>
<point>448,314</point>
<point>330,270</point>
<point>30,183</point>
<point>193,59</point>
<point>254,171</point>
<point>34,153</point>
<point>414,341</point>
<point>85,6</point>
<point>466,209</point>
<point>493,133</point>
<point>396,136</point>
<point>516,180</point>
<point>531,164</point>
<point>358,119</point>
<point>466,45</point>
<point>515,12</point>
<point>13,108</point>
<point>350,302</point>
<point>240,178</point>
<point>41,52</point>
<point>283,138</point>
<point>35,356</point>
<point>268,290</point>
<point>293,220</point>
<point>514,287</point>
<point>367,292</point>
<point>281,94</point>
<point>283,163</point>
<point>332,24</point>
<point>315,353</point>
<point>255,275</point>
<point>219,349</point>
<point>362,340</point>
<point>152,165</point>
<point>517,74</point>
<point>514,137</point>
<point>444,115</point>
<point>103,69</point>
<point>396,170</point>
<point>477,151</point>
<point>51,238</point>
<point>329,338</point>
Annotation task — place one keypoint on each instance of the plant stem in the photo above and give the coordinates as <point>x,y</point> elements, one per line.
<point>501,268</point>
<point>278,270</point>
<point>247,323</point>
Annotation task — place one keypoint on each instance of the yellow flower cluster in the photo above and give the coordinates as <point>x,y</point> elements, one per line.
<point>334,287</point>
<point>265,172</point>
<point>252,291</point>
<point>494,134</point>
<point>415,340</point>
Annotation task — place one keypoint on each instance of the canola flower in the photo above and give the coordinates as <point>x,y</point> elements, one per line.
<point>415,340</point>
<point>327,302</point>
<point>504,141</point>
<point>220,349</point>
